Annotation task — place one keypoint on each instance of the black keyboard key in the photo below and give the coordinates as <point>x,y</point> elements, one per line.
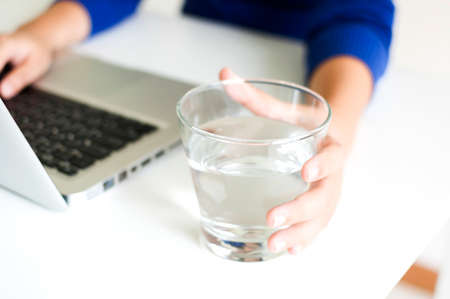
<point>95,151</point>
<point>126,123</point>
<point>95,134</point>
<point>77,115</point>
<point>70,136</point>
<point>111,142</point>
<point>46,106</point>
<point>43,140</point>
<point>82,131</point>
<point>42,149</point>
<point>73,143</point>
<point>76,127</point>
<point>39,125</point>
<point>87,142</point>
<point>54,130</point>
<point>33,114</point>
<point>129,135</point>
<point>66,168</point>
<point>61,122</point>
<point>82,162</point>
<point>58,146</point>
<point>23,120</point>
<point>135,125</point>
<point>62,155</point>
<point>41,132</point>
<point>28,135</point>
<point>94,122</point>
<point>63,112</point>
<point>21,107</point>
<point>48,160</point>
<point>144,128</point>
<point>76,154</point>
<point>110,125</point>
<point>61,137</point>
<point>111,117</point>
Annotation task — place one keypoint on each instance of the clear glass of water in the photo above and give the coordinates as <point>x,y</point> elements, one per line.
<point>246,142</point>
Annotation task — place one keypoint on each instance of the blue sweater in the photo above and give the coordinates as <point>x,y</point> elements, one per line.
<point>359,28</point>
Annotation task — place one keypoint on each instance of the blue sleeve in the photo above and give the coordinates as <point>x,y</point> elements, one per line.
<point>106,13</point>
<point>362,29</point>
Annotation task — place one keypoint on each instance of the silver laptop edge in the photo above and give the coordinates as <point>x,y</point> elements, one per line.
<point>138,95</point>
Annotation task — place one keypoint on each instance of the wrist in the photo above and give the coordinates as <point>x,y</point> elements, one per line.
<point>343,129</point>
<point>33,34</point>
<point>346,84</point>
<point>62,25</point>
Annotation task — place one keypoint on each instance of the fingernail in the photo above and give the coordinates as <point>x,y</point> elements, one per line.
<point>233,74</point>
<point>7,90</point>
<point>296,249</point>
<point>213,131</point>
<point>279,245</point>
<point>313,173</point>
<point>278,220</point>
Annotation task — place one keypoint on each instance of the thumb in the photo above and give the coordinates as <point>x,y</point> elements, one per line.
<point>227,74</point>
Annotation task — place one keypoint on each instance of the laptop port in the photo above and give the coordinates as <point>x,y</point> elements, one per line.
<point>133,169</point>
<point>159,154</point>
<point>122,176</point>
<point>145,162</point>
<point>108,184</point>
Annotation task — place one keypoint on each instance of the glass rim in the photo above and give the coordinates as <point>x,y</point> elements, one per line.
<point>269,141</point>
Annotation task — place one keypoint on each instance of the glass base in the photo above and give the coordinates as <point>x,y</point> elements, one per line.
<point>236,249</point>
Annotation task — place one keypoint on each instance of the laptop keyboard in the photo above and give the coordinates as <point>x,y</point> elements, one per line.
<point>70,136</point>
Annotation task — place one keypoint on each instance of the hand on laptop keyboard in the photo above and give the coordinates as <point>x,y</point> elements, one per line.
<point>31,59</point>
<point>70,136</point>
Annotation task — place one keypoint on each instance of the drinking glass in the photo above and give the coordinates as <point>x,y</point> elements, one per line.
<point>246,142</point>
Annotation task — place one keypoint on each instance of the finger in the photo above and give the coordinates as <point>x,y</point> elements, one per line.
<point>21,76</point>
<point>297,249</point>
<point>247,95</point>
<point>6,51</point>
<point>258,101</point>
<point>298,235</point>
<point>328,160</point>
<point>324,219</point>
<point>305,207</point>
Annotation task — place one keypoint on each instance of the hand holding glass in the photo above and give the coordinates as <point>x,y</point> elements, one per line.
<point>246,142</point>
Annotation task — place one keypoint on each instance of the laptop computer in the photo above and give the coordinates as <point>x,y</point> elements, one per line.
<point>84,128</point>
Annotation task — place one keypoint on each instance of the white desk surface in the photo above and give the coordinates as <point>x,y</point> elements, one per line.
<point>140,240</point>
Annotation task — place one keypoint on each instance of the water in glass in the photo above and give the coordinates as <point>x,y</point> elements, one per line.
<point>236,186</point>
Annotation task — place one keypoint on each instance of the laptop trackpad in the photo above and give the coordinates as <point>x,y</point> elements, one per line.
<point>151,95</point>
<point>81,75</point>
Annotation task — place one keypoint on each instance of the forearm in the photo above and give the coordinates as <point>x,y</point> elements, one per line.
<point>346,83</point>
<point>63,24</point>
